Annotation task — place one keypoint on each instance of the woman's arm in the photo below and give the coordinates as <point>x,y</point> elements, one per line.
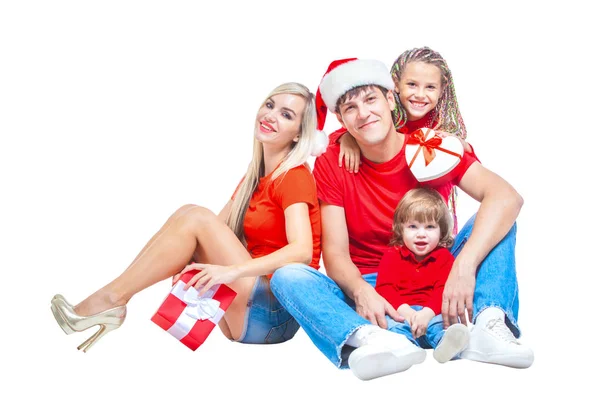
<point>298,250</point>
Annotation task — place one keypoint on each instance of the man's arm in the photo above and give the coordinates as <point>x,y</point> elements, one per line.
<point>340,268</point>
<point>500,205</point>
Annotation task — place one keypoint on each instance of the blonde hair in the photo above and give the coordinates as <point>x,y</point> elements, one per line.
<point>298,155</point>
<point>423,205</point>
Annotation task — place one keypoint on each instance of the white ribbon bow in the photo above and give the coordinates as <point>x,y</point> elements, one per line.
<point>201,308</point>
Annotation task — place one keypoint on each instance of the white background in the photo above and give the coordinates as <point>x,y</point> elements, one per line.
<point>115,113</point>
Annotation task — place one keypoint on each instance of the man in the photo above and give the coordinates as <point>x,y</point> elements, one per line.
<point>356,214</point>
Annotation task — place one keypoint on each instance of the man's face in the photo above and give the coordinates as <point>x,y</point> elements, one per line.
<point>367,116</point>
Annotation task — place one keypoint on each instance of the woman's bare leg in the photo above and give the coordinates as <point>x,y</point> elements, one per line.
<point>191,230</point>
<point>232,323</point>
<point>176,215</point>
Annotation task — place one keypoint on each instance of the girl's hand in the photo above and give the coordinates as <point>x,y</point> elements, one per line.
<point>419,322</point>
<point>209,276</point>
<point>349,153</point>
<point>466,145</point>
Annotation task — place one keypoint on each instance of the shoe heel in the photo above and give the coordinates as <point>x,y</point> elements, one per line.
<point>61,320</point>
<point>104,329</point>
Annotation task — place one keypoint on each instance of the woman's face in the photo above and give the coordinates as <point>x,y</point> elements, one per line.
<point>419,89</point>
<point>278,120</point>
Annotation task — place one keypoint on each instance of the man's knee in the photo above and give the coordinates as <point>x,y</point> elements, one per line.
<point>290,273</point>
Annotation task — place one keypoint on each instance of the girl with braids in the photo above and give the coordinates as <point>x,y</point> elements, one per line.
<point>425,98</point>
<point>271,220</point>
<point>425,94</point>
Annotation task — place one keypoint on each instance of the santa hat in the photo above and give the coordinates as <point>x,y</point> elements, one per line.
<point>344,75</point>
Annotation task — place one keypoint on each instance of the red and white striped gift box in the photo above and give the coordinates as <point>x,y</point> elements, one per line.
<point>190,318</point>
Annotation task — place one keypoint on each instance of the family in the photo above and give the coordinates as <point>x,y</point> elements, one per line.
<point>398,278</point>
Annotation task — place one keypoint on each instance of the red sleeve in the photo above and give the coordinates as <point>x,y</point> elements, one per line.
<point>328,177</point>
<point>387,277</point>
<point>467,160</point>
<point>443,267</point>
<point>295,186</point>
<point>334,137</point>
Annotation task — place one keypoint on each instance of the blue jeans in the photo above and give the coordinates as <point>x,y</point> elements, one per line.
<point>328,317</point>
<point>431,338</point>
<point>267,322</point>
<point>496,282</point>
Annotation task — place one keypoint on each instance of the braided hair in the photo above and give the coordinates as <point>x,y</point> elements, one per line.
<point>446,115</point>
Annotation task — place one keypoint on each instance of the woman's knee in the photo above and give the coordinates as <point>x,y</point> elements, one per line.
<point>181,211</point>
<point>196,216</point>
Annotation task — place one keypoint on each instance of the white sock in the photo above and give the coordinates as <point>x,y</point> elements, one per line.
<point>356,339</point>
<point>488,314</point>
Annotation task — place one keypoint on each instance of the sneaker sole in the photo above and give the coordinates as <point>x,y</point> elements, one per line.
<point>499,359</point>
<point>455,340</point>
<point>369,362</point>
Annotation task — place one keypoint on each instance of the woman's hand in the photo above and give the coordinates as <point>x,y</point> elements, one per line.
<point>209,276</point>
<point>349,153</point>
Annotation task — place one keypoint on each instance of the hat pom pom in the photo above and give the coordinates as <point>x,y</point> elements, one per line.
<point>319,143</point>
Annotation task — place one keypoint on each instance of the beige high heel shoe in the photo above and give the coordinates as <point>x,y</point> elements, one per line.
<point>70,321</point>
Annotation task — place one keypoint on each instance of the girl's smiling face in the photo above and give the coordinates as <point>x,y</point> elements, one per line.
<point>419,89</point>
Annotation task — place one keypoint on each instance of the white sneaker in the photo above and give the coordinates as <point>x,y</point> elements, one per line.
<point>383,353</point>
<point>494,343</point>
<point>453,342</point>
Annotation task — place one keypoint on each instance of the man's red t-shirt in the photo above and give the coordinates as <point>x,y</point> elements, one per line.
<point>404,280</point>
<point>370,197</point>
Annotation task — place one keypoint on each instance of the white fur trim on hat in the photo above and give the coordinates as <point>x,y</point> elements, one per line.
<point>319,143</point>
<point>350,75</point>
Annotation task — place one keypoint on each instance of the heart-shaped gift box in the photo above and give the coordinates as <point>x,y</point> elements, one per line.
<point>431,156</point>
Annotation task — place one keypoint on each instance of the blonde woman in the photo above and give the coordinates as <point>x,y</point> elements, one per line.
<point>271,220</point>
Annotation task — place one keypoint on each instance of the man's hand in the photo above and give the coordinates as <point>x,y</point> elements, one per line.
<point>370,305</point>
<point>457,300</point>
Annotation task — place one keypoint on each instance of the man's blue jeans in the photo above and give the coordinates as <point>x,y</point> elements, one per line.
<point>328,316</point>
